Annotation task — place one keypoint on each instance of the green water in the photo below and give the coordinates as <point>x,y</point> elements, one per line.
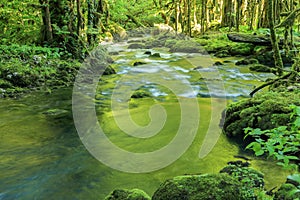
<point>42,157</point>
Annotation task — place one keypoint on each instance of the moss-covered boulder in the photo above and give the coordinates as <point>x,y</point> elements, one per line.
<point>187,46</point>
<point>136,46</point>
<point>266,110</point>
<point>200,187</point>
<point>247,61</point>
<point>261,68</point>
<point>266,58</point>
<point>124,194</point>
<point>222,53</point>
<point>109,70</point>
<point>140,94</point>
<point>241,171</point>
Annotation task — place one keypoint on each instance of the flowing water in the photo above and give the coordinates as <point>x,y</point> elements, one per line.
<point>42,156</point>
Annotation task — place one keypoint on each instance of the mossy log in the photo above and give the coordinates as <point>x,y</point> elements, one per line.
<point>259,40</point>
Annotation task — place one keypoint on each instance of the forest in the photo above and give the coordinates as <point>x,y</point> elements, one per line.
<point>157,99</point>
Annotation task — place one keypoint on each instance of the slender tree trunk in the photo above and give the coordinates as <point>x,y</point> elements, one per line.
<point>46,30</point>
<point>203,14</point>
<point>189,18</point>
<point>79,18</point>
<point>276,53</point>
<point>195,13</point>
<point>237,15</point>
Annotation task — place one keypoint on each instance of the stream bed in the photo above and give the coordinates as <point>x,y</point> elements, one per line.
<point>42,156</point>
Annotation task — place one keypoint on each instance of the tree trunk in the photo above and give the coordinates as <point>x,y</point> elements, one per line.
<point>46,30</point>
<point>189,18</point>
<point>275,47</point>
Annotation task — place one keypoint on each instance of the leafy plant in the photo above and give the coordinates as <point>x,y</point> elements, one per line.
<point>296,179</point>
<point>281,143</point>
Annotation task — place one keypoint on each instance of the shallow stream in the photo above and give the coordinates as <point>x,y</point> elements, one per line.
<point>42,156</point>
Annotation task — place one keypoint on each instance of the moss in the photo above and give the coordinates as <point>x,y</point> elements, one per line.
<point>246,175</point>
<point>247,61</point>
<point>109,70</point>
<point>187,46</point>
<point>170,42</point>
<point>136,46</point>
<point>285,192</point>
<point>265,110</point>
<point>124,194</point>
<point>140,94</point>
<point>261,68</point>
<point>198,187</point>
<point>241,49</point>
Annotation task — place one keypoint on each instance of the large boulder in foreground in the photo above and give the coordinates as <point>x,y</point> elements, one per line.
<point>200,187</point>
<point>266,110</point>
<point>124,194</point>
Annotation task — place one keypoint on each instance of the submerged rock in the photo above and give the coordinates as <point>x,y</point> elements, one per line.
<point>56,113</point>
<point>200,187</point>
<point>124,194</point>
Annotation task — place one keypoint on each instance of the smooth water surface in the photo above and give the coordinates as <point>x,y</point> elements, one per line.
<point>42,157</point>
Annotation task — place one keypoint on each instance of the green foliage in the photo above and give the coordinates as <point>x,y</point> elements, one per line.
<point>266,110</point>
<point>207,186</point>
<point>281,143</point>
<point>295,178</point>
<point>143,11</point>
<point>19,21</point>
<point>25,66</point>
<point>252,180</point>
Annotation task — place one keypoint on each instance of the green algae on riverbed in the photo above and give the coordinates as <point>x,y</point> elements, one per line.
<point>42,155</point>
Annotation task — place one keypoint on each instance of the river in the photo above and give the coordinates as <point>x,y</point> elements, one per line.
<point>42,156</point>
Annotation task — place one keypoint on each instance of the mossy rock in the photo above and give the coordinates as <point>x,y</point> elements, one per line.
<point>56,113</point>
<point>124,194</point>
<point>253,178</point>
<point>136,46</point>
<point>261,68</point>
<point>170,43</point>
<point>187,46</point>
<point>265,110</point>
<point>247,61</point>
<point>241,49</point>
<point>200,187</point>
<point>109,70</point>
<point>155,55</point>
<point>286,192</point>
<point>266,58</point>
<point>141,94</point>
<point>222,53</point>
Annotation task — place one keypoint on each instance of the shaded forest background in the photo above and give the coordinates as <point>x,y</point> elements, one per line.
<point>75,26</point>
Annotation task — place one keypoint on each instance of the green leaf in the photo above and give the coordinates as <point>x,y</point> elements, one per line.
<point>297,122</point>
<point>294,177</point>
<point>259,153</point>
